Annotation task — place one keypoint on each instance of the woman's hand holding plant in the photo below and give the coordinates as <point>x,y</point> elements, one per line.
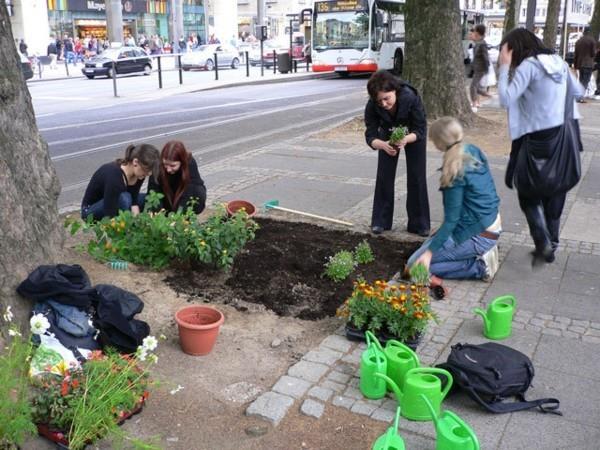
<point>425,259</point>
<point>379,144</point>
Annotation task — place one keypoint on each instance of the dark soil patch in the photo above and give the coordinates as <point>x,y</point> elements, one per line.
<point>282,270</point>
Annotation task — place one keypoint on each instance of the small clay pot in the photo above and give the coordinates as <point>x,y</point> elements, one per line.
<point>198,328</point>
<point>235,205</point>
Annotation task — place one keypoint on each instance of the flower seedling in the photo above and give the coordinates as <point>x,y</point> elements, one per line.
<point>363,253</point>
<point>398,134</point>
<point>340,266</point>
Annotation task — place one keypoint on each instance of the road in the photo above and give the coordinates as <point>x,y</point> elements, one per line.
<point>214,124</point>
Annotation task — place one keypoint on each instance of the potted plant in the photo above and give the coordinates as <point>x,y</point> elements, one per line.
<point>391,311</point>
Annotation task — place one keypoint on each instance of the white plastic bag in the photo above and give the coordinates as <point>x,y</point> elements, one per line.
<point>489,79</point>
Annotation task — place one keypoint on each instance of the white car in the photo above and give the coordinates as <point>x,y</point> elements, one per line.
<point>203,57</point>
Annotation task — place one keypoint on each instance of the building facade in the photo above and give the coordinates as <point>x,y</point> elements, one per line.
<point>277,15</point>
<point>37,20</point>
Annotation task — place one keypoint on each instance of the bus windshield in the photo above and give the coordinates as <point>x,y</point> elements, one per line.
<point>348,29</point>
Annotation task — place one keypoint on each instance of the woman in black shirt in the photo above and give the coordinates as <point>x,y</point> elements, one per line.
<point>179,179</point>
<point>392,104</point>
<point>116,185</point>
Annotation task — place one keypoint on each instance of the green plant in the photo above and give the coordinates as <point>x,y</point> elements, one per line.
<point>419,274</point>
<point>402,310</point>
<point>398,134</point>
<point>16,422</point>
<point>88,403</point>
<point>363,253</point>
<point>156,239</point>
<point>339,266</point>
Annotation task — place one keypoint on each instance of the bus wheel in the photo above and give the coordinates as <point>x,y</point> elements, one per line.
<point>344,74</point>
<point>398,61</point>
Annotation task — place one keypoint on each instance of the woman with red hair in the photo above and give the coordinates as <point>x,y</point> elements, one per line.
<point>179,179</point>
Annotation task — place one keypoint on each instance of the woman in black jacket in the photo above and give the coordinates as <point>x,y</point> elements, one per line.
<point>392,104</point>
<point>179,179</point>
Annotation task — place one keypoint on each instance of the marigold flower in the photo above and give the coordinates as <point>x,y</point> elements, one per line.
<point>418,315</point>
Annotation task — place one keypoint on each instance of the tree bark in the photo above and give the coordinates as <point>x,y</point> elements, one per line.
<point>551,27</point>
<point>595,22</point>
<point>434,57</point>
<point>530,21</point>
<point>30,232</point>
<point>511,16</point>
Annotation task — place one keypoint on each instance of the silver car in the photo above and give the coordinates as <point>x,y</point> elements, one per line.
<point>203,57</point>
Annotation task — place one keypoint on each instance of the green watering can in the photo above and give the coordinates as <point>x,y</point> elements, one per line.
<point>497,321</point>
<point>400,359</point>
<point>372,362</point>
<point>452,432</point>
<point>390,440</point>
<point>421,380</point>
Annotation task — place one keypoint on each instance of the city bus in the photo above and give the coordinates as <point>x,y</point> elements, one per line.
<point>357,35</point>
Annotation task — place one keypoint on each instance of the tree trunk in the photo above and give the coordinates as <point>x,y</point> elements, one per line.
<point>511,16</point>
<point>551,27</point>
<point>595,23</point>
<point>30,232</point>
<point>434,57</point>
<point>530,21</point>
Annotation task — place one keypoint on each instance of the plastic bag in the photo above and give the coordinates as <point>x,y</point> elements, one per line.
<point>489,79</point>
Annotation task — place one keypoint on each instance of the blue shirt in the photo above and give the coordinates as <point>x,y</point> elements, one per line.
<point>470,204</point>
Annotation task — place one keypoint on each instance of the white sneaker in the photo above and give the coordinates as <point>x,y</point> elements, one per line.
<point>490,259</point>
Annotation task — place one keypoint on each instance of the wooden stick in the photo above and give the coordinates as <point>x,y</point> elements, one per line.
<point>302,213</point>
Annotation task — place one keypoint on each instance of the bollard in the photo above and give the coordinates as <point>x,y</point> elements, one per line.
<point>262,65</point>
<point>247,64</point>
<point>307,66</point>
<point>39,68</point>
<point>180,72</point>
<point>114,77</point>
<point>159,74</point>
<point>295,66</point>
<point>274,62</point>
<point>67,67</point>
<point>216,67</point>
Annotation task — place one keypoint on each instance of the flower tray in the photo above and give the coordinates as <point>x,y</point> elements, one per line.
<point>356,334</point>
<point>59,437</point>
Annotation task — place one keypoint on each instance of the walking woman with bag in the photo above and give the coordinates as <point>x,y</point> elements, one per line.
<point>392,104</point>
<point>539,92</point>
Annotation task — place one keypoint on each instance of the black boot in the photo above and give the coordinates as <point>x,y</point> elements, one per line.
<point>539,232</point>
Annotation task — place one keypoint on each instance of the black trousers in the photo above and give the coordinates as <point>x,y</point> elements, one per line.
<point>417,202</point>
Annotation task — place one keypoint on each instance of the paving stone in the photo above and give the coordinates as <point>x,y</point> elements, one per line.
<point>557,325</point>
<point>335,387</point>
<point>532,328</point>
<point>354,382</point>
<point>384,415</point>
<point>562,319</point>
<point>338,377</point>
<point>570,334</point>
<point>344,402</point>
<point>575,329</point>
<point>307,370</point>
<point>353,392</point>
<point>518,326</point>
<point>352,358</point>
<point>520,319</point>
<point>320,392</point>
<point>364,408</point>
<point>323,356</point>
<point>337,343</point>
<point>544,316</point>
<point>270,406</point>
<point>591,339</point>
<point>440,339</point>
<point>390,404</point>
<point>581,323</point>
<point>294,387</point>
<point>312,408</point>
<point>537,322</point>
<point>551,331</point>
<point>592,332</point>
<point>595,325</point>
<point>344,367</point>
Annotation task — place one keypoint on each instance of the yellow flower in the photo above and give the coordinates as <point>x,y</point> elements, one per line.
<point>224,252</point>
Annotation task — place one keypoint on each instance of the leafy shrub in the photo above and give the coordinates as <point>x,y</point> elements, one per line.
<point>156,239</point>
<point>363,253</point>
<point>340,266</point>
<point>398,134</point>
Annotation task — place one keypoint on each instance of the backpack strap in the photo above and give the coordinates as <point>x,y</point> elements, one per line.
<point>546,405</point>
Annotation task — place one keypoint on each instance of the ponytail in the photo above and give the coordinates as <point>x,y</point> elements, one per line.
<point>447,135</point>
<point>146,154</point>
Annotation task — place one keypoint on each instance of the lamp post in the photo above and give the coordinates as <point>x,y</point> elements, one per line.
<point>10,7</point>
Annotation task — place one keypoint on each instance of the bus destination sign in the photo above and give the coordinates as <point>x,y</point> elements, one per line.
<point>340,5</point>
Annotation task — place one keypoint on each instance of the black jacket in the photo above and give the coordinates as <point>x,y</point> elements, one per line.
<point>409,113</point>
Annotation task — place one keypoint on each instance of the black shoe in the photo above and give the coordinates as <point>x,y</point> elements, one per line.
<point>377,230</point>
<point>422,233</point>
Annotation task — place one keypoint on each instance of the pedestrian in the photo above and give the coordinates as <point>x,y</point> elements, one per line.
<point>480,64</point>
<point>465,245</point>
<point>69,50</point>
<point>116,185</point>
<point>23,47</point>
<point>585,52</point>
<point>78,50</point>
<point>536,97</point>
<point>52,52</point>
<point>179,179</point>
<point>394,103</point>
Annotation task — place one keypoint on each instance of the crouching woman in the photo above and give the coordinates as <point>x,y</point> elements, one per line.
<point>465,246</point>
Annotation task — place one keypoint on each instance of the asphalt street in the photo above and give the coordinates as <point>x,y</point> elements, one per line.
<point>85,128</point>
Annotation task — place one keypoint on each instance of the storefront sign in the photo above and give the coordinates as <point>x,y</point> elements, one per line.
<point>129,6</point>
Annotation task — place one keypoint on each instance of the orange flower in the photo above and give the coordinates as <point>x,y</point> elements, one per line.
<point>418,315</point>
<point>64,387</point>
<point>75,384</point>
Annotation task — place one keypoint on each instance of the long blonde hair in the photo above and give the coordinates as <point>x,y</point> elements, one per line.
<point>447,135</point>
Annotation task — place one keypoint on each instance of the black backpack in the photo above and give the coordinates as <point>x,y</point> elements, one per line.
<point>491,372</point>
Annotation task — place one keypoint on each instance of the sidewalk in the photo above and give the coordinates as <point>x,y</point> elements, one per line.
<point>558,315</point>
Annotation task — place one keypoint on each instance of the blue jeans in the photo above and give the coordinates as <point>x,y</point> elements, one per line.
<point>97,209</point>
<point>457,261</point>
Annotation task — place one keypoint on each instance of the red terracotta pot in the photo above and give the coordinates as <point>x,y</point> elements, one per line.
<point>198,328</point>
<point>235,205</point>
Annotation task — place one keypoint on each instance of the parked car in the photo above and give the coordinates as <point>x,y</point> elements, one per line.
<point>269,47</point>
<point>203,57</point>
<point>25,66</point>
<point>126,59</point>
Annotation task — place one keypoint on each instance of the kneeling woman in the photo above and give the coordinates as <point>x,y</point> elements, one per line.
<point>179,179</point>
<point>116,185</point>
<point>465,245</point>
